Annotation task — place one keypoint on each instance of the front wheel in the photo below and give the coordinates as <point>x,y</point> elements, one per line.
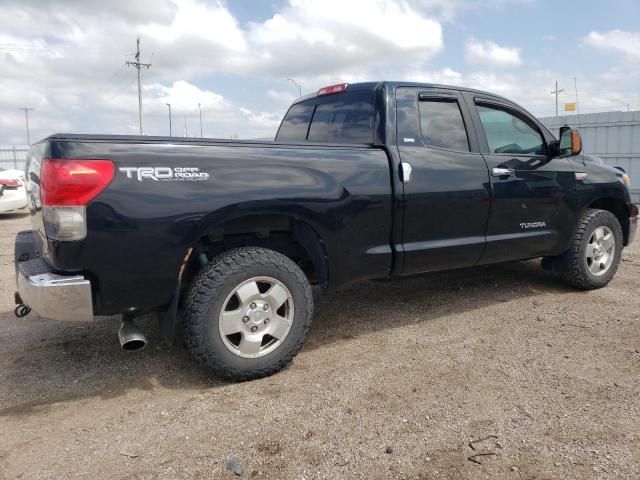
<point>594,255</point>
<point>248,312</point>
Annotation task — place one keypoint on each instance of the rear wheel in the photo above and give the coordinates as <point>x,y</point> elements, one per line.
<point>248,312</point>
<point>594,255</point>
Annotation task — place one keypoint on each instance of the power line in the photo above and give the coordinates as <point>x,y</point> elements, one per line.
<point>628,105</point>
<point>114,81</point>
<point>117,90</point>
<point>43,47</point>
<point>138,65</point>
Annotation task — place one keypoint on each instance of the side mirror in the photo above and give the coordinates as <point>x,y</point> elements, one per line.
<point>570,142</point>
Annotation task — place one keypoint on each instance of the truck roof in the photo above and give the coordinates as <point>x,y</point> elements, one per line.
<point>372,86</point>
<point>350,87</point>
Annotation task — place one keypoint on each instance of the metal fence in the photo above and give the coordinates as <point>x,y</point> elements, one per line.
<point>612,136</point>
<point>13,156</point>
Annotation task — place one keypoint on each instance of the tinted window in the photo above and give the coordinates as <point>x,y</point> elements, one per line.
<point>342,118</point>
<point>295,124</point>
<point>442,126</point>
<point>347,120</point>
<point>508,133</point>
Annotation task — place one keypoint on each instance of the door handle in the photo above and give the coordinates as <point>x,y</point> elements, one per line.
<point>502,172</point>
<point>405,170</point>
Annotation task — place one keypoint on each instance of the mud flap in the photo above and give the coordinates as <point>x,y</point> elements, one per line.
<point>559,264</point>
<point>167,319</point>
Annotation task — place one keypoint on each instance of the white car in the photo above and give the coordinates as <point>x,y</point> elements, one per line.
<point>13,194</point>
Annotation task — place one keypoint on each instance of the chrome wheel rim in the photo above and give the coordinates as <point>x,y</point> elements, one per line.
<point>600,251</point>
<point>256,317</point>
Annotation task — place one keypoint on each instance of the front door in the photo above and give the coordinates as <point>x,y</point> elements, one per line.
<point>446,182</point>
<point>531,214</point>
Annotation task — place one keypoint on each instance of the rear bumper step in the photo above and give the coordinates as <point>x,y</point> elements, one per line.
<point>51,295</point>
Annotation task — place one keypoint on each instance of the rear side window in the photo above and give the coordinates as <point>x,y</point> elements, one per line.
<point>344,118</point>
<point>441,125</point>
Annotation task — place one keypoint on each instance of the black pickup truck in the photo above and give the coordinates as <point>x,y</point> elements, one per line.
<point>363,181</point>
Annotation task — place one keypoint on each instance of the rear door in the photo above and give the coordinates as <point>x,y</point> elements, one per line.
<point>446,182</point>
<point>531,212</point>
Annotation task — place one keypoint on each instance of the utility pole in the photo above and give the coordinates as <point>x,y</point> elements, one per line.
<point>138,65</point>
<point>186,133</point>
<point>200,109</point>
<point>557,92</point>
<point>575,85</point>
<point>169,105</point>
<point>295,84</point>
<point>26,116</point>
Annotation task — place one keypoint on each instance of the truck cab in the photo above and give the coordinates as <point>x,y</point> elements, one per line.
<point>477,179</point>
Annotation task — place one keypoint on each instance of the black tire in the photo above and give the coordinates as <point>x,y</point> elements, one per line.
<point>208,293</point>
<point>577,273</point>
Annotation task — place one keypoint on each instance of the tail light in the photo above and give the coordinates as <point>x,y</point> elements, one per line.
<point>339,88</point>
<point>66,188</point>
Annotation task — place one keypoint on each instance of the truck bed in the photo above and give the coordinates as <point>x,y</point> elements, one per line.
<point>140,229</point>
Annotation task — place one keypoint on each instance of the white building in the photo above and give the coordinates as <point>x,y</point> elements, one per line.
<point>612,136</point>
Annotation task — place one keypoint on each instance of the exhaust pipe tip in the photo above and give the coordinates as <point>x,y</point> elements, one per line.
<point>133,345</point>
<point>130,336</point>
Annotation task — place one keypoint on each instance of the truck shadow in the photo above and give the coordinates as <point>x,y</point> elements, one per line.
<point>47,362</point>
<point>14,214</point>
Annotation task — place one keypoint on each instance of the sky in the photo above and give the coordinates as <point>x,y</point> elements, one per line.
<point>66,58</point>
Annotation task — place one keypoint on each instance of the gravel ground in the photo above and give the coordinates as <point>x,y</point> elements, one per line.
<point>397,380</point>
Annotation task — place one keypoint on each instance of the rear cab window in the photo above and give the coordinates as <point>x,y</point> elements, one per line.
<point>342,118</point>
<point>295,125</point>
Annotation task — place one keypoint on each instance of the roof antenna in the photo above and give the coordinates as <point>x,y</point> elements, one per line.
<point>575,85</point>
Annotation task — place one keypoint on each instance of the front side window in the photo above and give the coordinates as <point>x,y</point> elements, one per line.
<point>508,133</point>
<point>442,126</point>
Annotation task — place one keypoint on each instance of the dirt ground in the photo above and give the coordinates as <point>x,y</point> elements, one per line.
<point>397,380</point>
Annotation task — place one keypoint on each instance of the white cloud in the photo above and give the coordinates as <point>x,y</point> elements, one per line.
<point>212,23</point>
<point>283,97</point>
<point>616,40</point>
<point>446,76</point>
<point>183,97</point>
<point>533,90</point>
<point>319,38</point>
<point>491,54</point>
<point>66,59</point>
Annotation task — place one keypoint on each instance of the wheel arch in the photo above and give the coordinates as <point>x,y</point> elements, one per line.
<point>618,208</point>
<point>284,232</point>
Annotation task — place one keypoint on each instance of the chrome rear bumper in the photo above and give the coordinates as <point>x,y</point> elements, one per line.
<point>50,295</point>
